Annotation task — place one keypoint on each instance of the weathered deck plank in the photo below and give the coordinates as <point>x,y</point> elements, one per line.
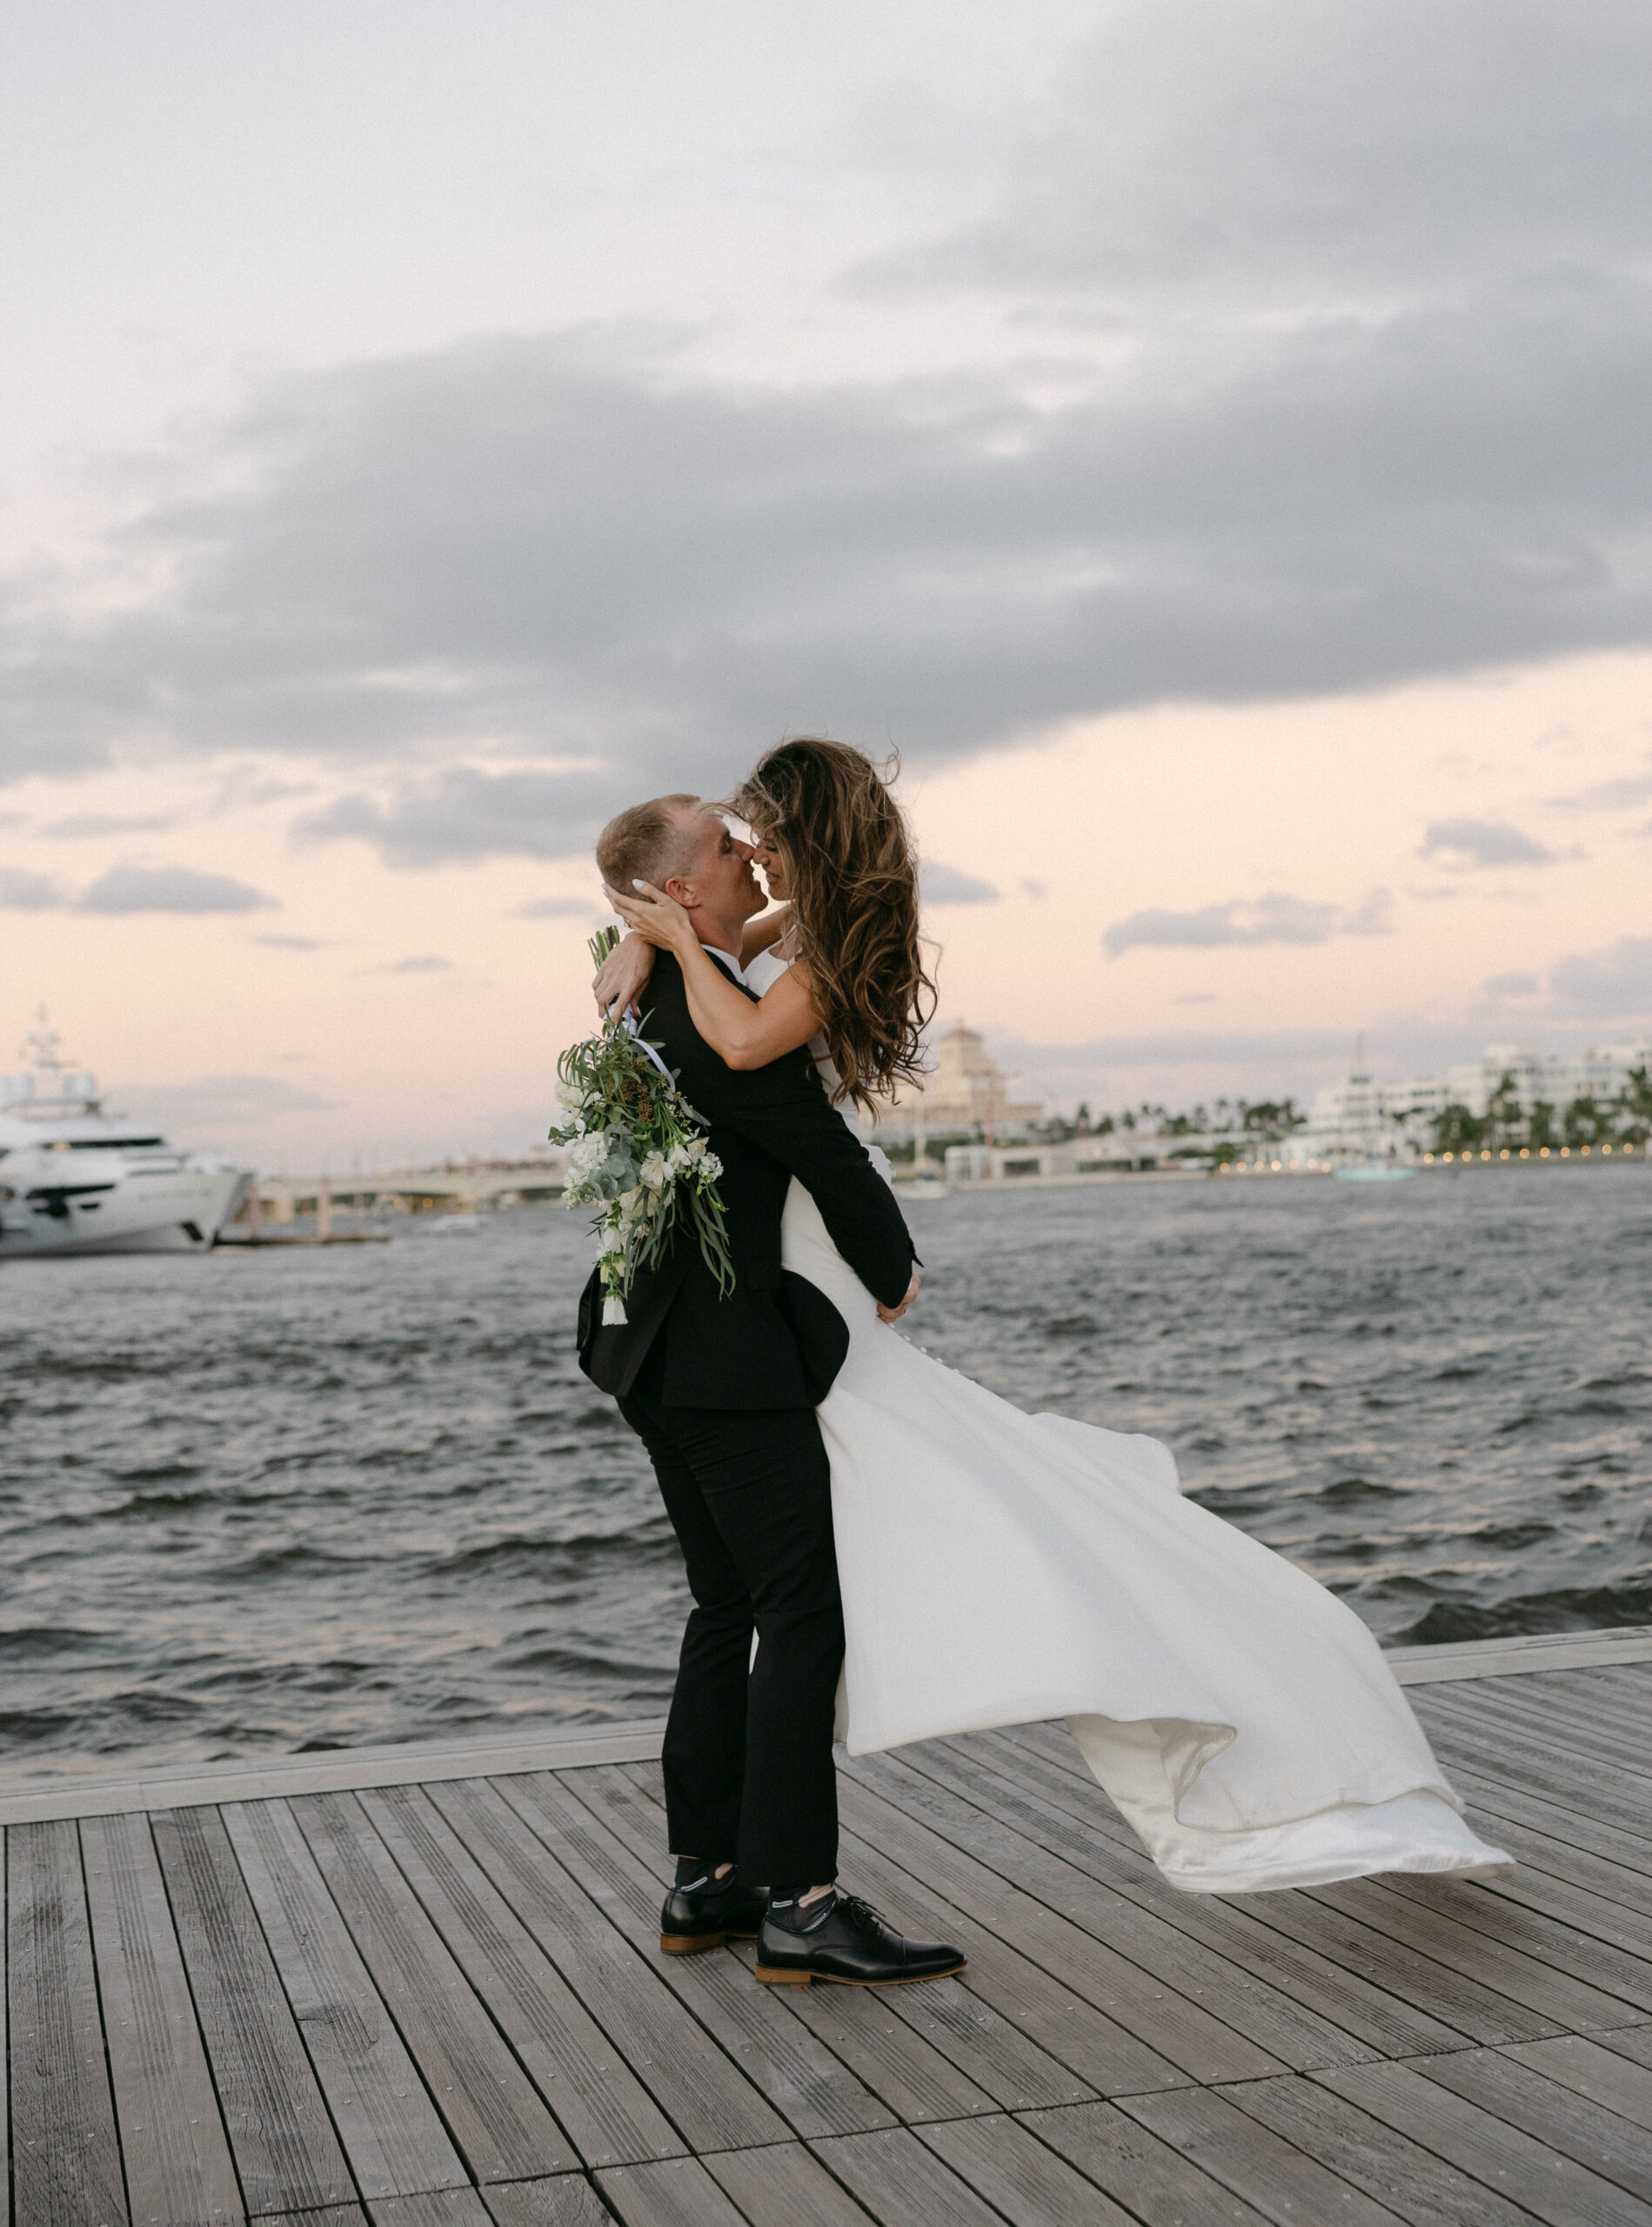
<point>1196,2043</point>
<point>706,2098</point>
<point>495,2116</point>
<point>285,2150</point>
<point>1418,2185</point>
<point>1274,2029</point>
<point>609,2115</point>
<point>902,2181</point>
<point>1398,1965</point>
<point>5,2035</point>
<point>172,2141</point>
<point>810,2088</point>
<point>1601,2074</point>
<point>994,2024</point>
<point>894,2063</point>
<point>1591,1788</point>
<point>1150,2177</point>
<point>1060,1812</point>
<point>1253,2161</point>
<point>391,2132</point>
<point>1502,2155</point>
<point>786,2183</point>
<point>1572,2125</point>
<point>1604,1727</point>
<point>679,2193</point>
<point>66,2154</point>
<point>442,2004</point>
<point>568,2200</point>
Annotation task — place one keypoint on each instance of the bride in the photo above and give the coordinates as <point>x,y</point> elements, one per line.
<point>998,1567</point>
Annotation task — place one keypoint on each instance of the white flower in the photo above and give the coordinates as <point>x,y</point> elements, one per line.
<point>570,1095</point>
<point>710,1168</point>
<point>677,1161</point>
<point>653,1172</point>
<point>585,1157</point>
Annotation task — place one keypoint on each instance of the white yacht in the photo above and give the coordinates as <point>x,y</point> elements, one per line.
<point>74,1179</point>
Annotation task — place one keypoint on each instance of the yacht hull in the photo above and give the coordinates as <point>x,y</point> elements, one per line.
<point>178,1210</point>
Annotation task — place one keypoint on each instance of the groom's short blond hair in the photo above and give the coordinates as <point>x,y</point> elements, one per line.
<point>646,842</point>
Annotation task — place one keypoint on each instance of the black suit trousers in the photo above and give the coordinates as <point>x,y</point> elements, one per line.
<point>749,1773</point>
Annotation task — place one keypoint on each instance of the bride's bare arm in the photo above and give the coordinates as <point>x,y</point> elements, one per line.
<point>742,1034</point>
<point>767,929</point>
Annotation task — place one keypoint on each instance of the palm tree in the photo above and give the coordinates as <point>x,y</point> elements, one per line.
<point>1456,1129</point>
<point>1635,1098</point>
<point>1585,1123</point>
<point>1504,1112</point>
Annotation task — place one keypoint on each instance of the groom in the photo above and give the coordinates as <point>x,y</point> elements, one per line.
<point>722,1392</point>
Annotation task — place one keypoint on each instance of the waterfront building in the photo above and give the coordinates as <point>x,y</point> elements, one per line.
<point>1361,1118</point>
<point>967,1091</point>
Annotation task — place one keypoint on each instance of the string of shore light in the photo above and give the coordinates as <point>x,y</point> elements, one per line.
<point>1437,1159</point>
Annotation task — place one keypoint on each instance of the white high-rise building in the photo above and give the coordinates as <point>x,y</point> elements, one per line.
<point>1361,1118</point>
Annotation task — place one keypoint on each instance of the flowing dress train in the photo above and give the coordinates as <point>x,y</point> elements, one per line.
<point>1000,1569</point>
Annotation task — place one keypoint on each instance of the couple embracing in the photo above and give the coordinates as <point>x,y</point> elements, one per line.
<point>876,1544</point>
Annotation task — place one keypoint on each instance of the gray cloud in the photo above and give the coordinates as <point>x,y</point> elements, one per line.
<point>1616,982</point>
<point>137,889</point>
<point>1333,379</point>
<point>1284,151</point>
<point>427,963</point>
<point>1624,793</point>
<point>291,943</point>
<point>27,893</point>
<point>1175,1047</point>
<point>942,885</point>
<point>87,824</point>
<point>169,889</point>
<point>1275,917</point>
<point>557,909</point>
<point>1482,843</point>
<point>1511,985</point>
<point>465,813</point>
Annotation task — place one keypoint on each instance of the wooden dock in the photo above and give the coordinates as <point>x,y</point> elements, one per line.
<point>422,1988</point>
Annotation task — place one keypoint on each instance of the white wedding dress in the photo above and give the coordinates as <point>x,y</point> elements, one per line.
<point>1000,1569</point>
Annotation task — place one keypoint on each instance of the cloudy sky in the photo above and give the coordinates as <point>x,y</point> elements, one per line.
<point>1206,437</point>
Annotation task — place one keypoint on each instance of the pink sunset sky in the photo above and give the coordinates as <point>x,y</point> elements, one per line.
<point>1206,437</point>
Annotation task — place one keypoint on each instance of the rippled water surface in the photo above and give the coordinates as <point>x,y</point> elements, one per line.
<point>276,1500</point>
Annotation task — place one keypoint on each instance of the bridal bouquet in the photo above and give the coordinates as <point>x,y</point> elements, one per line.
<point>635,1154</point>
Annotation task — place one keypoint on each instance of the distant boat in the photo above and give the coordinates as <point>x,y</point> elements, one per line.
<point>923,1186</point>
<point>74,1179</point>
<point>1375,1171</point>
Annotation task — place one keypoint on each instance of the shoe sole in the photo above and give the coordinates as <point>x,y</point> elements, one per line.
<point>689,1944</point>
<point>776,1977</point>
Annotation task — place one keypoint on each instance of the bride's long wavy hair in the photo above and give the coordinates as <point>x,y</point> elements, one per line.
<point>853,873</point>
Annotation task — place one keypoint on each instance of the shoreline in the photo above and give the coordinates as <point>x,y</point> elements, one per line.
<point>937,1186</point>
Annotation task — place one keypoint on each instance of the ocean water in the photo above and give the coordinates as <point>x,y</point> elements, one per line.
<point>274,1501</point>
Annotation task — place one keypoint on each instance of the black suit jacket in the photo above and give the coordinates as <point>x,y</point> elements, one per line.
<point>776,1341</point>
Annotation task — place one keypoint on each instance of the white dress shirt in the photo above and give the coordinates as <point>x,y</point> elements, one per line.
<point>730,961</point>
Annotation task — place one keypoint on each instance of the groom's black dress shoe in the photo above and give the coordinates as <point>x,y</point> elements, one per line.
<point>853,1946</point>
<point>705,1918</point>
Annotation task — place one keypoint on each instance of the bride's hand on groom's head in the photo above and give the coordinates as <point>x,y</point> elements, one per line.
<point>624,975</point>
<point>650,913</point>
